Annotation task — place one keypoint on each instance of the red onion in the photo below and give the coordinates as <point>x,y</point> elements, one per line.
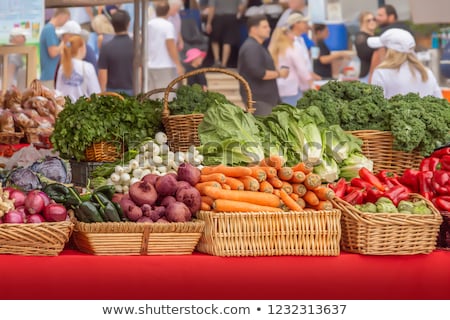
<point>18,196</point>
<point>13,217</point>
<point>55,212</point>
<point>45,197</point>
<point>34,203</point>
<point>35,218</point>
<point>23,212</point>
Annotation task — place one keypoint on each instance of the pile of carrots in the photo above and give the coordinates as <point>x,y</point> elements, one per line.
<point>269,186</point>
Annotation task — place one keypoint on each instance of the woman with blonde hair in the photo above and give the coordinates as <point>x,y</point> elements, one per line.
<point>367,26</point>
<point>76,78</point>
<point>286,55</point>
<point>103,28</point>
<point>401,72</point>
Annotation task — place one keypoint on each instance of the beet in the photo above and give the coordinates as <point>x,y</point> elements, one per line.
<point>178,212</point>
<point>146,209</point>
<point>191,197</point>
<point>134,213</point>
<point>150,178</point>
<point>168,200</point>
<point>162,220</point>
<point>183,184</point>
<point>166,185</point>
<point>187,172</point>
<point>145,219</point>
<point>143,192</point>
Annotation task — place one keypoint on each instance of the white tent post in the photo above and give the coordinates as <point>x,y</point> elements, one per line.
<point>144,51</point>
<point>136,45</point>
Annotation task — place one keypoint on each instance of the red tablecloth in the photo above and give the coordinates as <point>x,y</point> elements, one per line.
<point>74,275</point>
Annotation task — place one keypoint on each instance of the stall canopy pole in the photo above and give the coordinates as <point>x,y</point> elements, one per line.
<point>144,39</point>
<point>136,47</point>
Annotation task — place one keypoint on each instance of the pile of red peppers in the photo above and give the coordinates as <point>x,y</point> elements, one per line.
<point>432,181</point>
<point>369,187</point>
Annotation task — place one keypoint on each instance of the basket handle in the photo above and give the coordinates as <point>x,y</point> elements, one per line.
<point>166,111</point>
<point>154,91</point>
<point>111,94</point>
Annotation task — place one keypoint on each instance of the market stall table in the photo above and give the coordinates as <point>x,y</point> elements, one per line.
<point>74,275</point>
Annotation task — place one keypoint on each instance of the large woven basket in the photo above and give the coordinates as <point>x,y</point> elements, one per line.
<point>306,233</point>
<point>131,238</point>
<point>388,233</point>
<point>377,146</point>
<point>182,130</point>
<point>35,239</point>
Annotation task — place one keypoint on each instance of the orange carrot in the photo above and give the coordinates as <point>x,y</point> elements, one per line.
<point>276,192</point>
<point>258,173</point>
<point>301,202</point>
<point>289,202</point>
<point>287,187</point>
<point>250,183</point>
<point>207,200</point>
<point>299,189</point>
<point>219,177</point>
<point>234,183</point>
<point>259,198</point>
<point>285,173</point>
<point>201,185</point>
<point>224,205</point>
<point>228,171</point>
<point>273,161</point>
<point>311,198</point>
<point>275,182</point>
<point>270,172</point>
<point>324,205</point>
<point>312,181</point>
<point>205,207</point>
<point>265,186</point>
<point>298,177</point>
<point>305,167</point>
<point>294,196</point>
<point>324,193</point>
<point>226,186</point>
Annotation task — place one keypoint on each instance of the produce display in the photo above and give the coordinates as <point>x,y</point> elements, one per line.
<point>416,123</point>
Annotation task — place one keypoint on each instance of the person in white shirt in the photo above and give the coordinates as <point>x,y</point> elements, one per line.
<point>164,63</point>
<point>401,72</point>
<point>286,55</point>
<point>76,78</point>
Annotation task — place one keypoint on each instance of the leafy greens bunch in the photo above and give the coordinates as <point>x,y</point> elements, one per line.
<point>104,118</point>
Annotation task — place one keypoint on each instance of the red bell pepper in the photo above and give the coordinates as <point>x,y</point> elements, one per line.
<point>360,183</point>
<point>373,194</point>
<point>340,188</point>
<point>410,179</point>
<point>384,175</point>
<point>443,203</point>
<point>441,152</point>
<point>445,163</point>
<point>397,193</point>
<point>368,176</point>
<point>425,184</point>
<point>429,164</point>
<point>355,197</point>
<point>442,177</point>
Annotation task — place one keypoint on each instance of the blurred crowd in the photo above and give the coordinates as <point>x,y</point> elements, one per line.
<point>87,50</point>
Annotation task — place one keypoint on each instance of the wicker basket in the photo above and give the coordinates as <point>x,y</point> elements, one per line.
<point>102,152</point>
<point>444,232</point>
<point>182,130</point>
<point>306,233</point>
<point>377,146</point>
<point>40,137</point>
<point>388,233</point>
<point>131,238</point>
<point>35,239</point>
<point>11,137</point>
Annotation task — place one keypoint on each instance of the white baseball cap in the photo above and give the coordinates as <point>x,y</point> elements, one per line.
<point>395,39</point>
<point>71,27</point>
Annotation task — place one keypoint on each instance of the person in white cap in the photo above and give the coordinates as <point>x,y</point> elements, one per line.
<point>401,72</point>
<point>16,65</point>
<point>73,28</point>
